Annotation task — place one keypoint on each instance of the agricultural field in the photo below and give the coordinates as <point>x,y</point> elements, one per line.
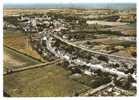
<point>19,41</point>
<point>51,80</point>
<point>60,52</point>
<point>13,59</point>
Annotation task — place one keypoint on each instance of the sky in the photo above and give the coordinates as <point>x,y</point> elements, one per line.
<point>66,1</point>
<point>73,3</point>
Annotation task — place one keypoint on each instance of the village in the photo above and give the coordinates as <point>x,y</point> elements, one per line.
<point>88,42</point>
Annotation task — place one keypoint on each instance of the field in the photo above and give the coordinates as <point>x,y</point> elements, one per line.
<point>18,40</point>
<point>85,56</point>
<point>51,80</point>
<point>54,80</point>
<point>14,59</point>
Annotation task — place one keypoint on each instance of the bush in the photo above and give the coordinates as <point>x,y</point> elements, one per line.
<point>103,58</point>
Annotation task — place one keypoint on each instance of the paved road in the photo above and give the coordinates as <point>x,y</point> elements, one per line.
<point>95,52</point>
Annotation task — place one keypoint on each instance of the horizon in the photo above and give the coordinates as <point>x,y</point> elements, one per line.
<point>73,5</point>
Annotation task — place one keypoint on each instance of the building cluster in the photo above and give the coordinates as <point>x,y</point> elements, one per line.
<point>53,38</point>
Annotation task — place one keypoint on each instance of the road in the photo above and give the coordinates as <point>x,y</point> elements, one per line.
<point>95,52</point>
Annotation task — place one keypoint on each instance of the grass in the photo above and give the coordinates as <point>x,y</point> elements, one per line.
<point>93,81</point>
<point>51,80</point>
<point>18,40</point>
<point>14,59</point>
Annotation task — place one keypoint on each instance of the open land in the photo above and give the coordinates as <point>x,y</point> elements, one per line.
<point>96,52</point>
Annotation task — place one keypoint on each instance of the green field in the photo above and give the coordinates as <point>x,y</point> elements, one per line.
<point>51,80</point>
<point>14,59</point>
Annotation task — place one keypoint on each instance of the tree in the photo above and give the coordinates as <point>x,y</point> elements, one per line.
<point>103,58</point>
